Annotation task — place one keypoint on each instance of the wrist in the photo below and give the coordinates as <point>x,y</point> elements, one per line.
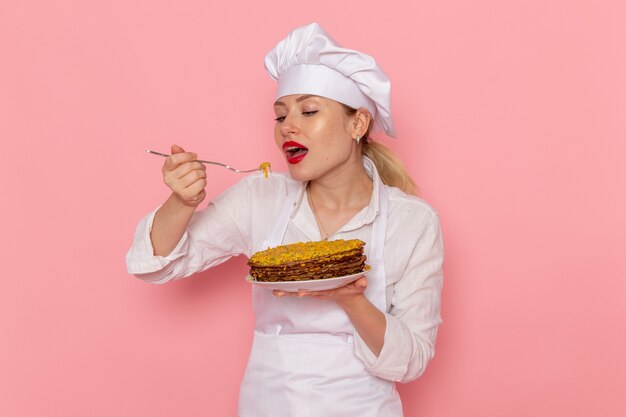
<point>182,204</point>
<point>353,302</point>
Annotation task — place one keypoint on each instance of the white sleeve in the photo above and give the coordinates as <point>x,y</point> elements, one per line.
<point>415,314</point>
<point>213,235</point>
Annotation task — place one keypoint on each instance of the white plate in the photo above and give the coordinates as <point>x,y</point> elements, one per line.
<point>308,285</point>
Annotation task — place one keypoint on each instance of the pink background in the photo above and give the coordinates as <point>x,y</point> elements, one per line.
<point>511,117</point>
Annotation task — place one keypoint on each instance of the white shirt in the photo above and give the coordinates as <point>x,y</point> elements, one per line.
<point>242,217</point>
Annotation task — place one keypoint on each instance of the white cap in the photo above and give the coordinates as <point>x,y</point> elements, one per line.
<point>308,61</point>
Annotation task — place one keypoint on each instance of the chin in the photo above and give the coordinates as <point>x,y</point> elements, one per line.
<point>300,172</point>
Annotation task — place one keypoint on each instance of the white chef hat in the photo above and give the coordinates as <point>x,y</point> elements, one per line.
<point>308,61</point>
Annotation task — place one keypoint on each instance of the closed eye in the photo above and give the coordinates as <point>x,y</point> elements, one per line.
<point>281,119</point>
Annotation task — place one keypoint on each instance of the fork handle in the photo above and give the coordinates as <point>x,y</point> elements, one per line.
<point>206,162</point>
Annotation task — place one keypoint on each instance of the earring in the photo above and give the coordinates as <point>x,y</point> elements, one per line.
<point>358,139</point>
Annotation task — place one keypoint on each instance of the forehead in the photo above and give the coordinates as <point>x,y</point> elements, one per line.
<point>298,98</point>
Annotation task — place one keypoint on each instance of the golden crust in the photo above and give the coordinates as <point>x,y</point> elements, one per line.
<point>308,260</point>
<point>304,251</point>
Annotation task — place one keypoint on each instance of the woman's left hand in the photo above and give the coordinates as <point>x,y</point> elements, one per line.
<point>345,294</point>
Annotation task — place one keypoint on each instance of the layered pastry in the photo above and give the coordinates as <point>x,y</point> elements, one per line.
<point>308,260</point>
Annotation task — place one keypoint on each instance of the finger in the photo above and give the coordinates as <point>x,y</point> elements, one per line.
<point>191,192</point>
<point>199,197</point>
<point>174,161</point>
<point>197,187</point>
<point>279,293</point>
<point>361,283</point>
<point>185,168</point>
<point>180,158</point>
<point>321,294</point>
<point>176,149</point>
<point>189,173</point>
<point>180,178</point>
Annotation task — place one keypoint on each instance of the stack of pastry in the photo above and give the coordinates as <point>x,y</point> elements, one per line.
<point>308,260</point>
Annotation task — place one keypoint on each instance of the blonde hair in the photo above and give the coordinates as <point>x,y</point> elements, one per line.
<point>390,168</point>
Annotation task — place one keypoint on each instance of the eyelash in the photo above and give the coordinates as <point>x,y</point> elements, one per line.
<point>307,113</point>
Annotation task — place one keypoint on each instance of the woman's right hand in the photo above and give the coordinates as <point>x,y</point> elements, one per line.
<point>185,176</point>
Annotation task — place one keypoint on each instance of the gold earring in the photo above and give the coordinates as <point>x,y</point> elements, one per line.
<point>358,139</point>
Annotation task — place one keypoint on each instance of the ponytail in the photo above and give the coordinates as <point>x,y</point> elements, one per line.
<point>391,170</point>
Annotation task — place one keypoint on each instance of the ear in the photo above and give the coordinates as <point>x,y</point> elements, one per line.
<point>362,120</point>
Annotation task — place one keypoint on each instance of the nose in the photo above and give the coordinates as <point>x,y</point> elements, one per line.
<point>289,126</point>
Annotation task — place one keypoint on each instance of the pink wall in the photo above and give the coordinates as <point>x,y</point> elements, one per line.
<point>511,116</point>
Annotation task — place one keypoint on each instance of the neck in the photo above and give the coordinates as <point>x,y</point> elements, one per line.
<point>348,187</point>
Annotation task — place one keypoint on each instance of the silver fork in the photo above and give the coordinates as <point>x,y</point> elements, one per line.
<point>259,168</point>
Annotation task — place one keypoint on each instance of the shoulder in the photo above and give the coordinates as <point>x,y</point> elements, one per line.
<point>412,223</point>
<point>275,181</point>
<point>273,189</point>
<point>256,196</point>
<point>256,185</point>
<point>409,206</point>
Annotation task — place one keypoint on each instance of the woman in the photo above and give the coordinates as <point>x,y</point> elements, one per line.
<point>327,353</point>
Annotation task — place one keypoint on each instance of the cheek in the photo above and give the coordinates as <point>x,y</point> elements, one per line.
<point>328,131</point>
<point>277,136</point>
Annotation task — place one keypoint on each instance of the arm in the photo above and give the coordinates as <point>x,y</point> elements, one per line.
<point>398,345</point>
<point>414,316</point>
<point>176,241</point>
<point>367,320</point>
<point>187,179</point>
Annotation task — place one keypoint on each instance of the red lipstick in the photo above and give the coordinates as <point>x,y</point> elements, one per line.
<point>294,152</point>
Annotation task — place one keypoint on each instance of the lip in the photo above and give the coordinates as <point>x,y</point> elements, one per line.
<point>297,158</point>
<point>292,144</point>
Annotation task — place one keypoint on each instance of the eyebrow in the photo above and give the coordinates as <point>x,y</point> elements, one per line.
<point>298,100</point>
